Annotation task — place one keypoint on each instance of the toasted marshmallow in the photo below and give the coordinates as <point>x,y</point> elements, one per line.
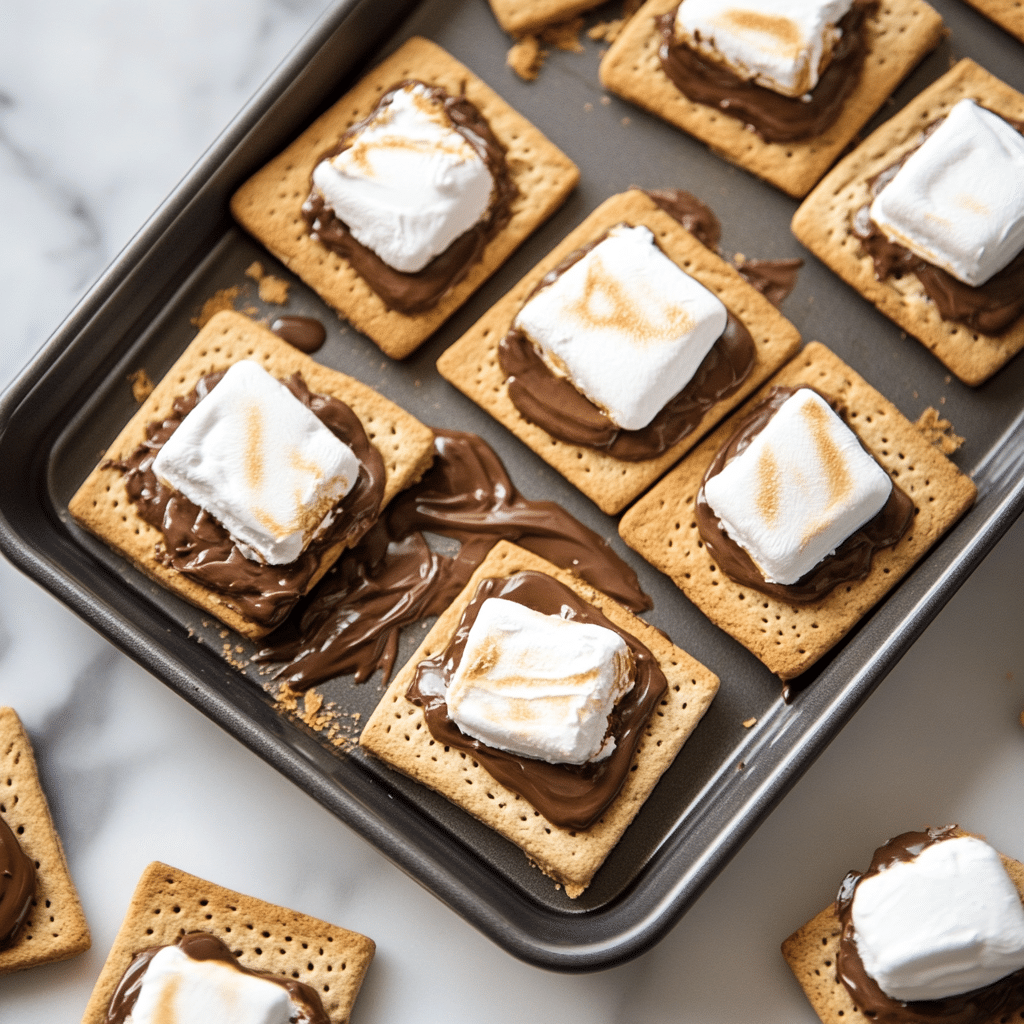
<point>176,989</point>
<point>783,45</point>
<point>409,184</point>
<point>254,457</point>
<point>798,490</point>
<point>625,325</point>
<point>958,201</point>
<point>539,685</point>
<point>946,922</point>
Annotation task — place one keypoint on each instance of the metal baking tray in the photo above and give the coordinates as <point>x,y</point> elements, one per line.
<point>69,403</point>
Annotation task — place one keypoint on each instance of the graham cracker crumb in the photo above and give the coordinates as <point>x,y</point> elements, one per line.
<point>564,36</point>
<point>217,303</point>
<point>254,270</point>
<point>938,431</point>
<point>526,58</point>
<point>142,386</point>
<point>748,722</point>
<point>274,290</point>
<point>607,31</point>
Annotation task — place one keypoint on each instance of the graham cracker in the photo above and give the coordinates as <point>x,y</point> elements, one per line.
<point>811,954</point>
<point>169,903</point>
<point>1008,14</point>
<point>396,733</point>
<point>823,224</point>
<point>521,17</point>
<point>269,204</point>
<point>898,34</point>
<point>56,928</point>
<point>471,364</point>
<point>102,505</point>
<point>790,638</point>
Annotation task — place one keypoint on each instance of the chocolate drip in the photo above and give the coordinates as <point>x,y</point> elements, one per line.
<point>17,885</point>
<point>553,403</point>
<point>203,946</point>
<point>774,279</point>
<point>198,546</point>
<point>850,561</point>
<point>570,796</point>
<point>416,292</point>
<point>974,1007</point>
<point>303,332</point>
<point>774,117</point>
<point>990,308</point>
<point>351,621</point>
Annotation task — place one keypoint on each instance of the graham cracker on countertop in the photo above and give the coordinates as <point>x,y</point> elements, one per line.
<point>471,364</point>
<point>898,35</point>
<point>790,638</point>
<point>169,903</point>
<point>269,204</point>
<point>396,733</point>
<point>102,505</point>
<point>824,224</point>
<point>56,928</point>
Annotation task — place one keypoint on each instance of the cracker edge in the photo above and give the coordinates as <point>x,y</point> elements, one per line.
<point>523,17</point>
<point>846,608</point>
<point>132,937</point>
<point>192,366</point>
<point>793,167</point>
<point>908,305</point>
<point>661,745</point>
<point>397,334</point>
<point>609,482</point>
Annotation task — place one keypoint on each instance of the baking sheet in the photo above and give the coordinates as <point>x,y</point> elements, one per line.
<point>61,414</point>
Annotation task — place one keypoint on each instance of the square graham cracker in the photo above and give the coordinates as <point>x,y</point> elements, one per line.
<point>168,903</point>
<point>471,364</point>
<point>521,17</point>
<point>811,954</point>
<point>55,928</point>
<point>790,638</point>
<point>1007,14</point>
<point>397,734</point>
<point>898,34</point>
<point>824,224</point>
<point>102,505</point>
<point>269,204</point>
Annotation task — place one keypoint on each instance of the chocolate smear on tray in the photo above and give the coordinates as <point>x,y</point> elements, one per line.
<point>17,885</point>
<point>302,332</point>
<point>570,796</point>
<point>351,621</point>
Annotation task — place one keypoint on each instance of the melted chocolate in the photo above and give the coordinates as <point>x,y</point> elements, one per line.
<point>198,546</point>
<point>850,561</point>
<point>974,1007</point>
<point>413,293</point>
<point>303,332</point>
<point>554,404</point>
<point>570,796</point>
<point>17,885</point>
<point>351,620</point>
<point>774,279</point>
<point>990,308</point>
<point>774,117</point>
<point>202,946</point>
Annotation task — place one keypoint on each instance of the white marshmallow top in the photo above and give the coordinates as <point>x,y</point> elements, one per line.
<point>625,325</point>
<point>958,201</point>
<point>409,184</point>
<point>798,490</point>
<point>539,685</point>
<point>176,989</point>
<point>783,45</point>
<point>254,457</point>
<point>946,922</point>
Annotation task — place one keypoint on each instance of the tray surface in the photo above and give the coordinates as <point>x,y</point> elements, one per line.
<point>60,416</point>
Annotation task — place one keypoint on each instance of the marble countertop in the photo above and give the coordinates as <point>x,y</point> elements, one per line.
<point>103,107</point>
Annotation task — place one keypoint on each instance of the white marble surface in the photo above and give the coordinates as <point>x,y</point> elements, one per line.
<point>104,104</point>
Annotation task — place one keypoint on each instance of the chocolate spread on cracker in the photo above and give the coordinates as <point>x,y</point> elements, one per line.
<point>774,117</point>
<point>850,561</point>
<point>203,946</point>
<point>198,546</point>
<point>412,293</point>
<point>570,796</point>
<point>974,1007</point>
<point>17,885</point>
